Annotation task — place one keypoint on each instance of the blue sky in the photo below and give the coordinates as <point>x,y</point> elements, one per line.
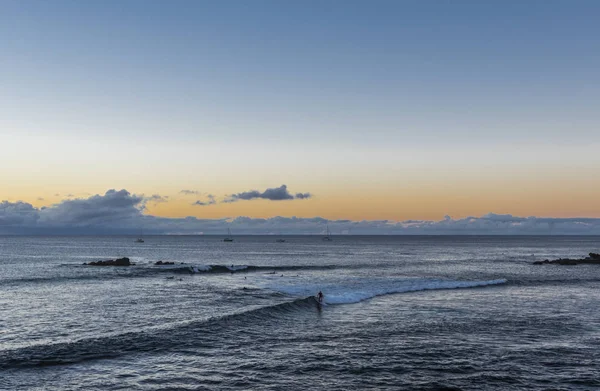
<point>401,71</point>
<point>380,110</point>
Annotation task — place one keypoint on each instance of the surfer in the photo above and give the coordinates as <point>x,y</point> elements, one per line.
<point>320,297</point>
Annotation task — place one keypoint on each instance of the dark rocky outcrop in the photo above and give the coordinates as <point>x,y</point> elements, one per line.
<point>593,259</point>
<point>116,262</point>
<point>164,263</point>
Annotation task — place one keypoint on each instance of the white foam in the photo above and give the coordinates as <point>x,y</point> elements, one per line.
<point>207,268</point>
<point>355,290</point>
<point>200,268</point>
<point>234,268</point>
<point>191,268</point>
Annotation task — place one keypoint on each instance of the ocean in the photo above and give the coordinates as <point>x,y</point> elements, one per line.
<point>400,312</point>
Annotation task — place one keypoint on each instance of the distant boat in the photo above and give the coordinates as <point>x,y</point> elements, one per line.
<point>280,239</point>
<point>327,236</point>
<point>140,239</point>
<point>228,238</point>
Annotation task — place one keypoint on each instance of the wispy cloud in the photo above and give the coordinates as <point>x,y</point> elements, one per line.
<point>189,192</point>
<point>211,201</point>
<point>156,199</point>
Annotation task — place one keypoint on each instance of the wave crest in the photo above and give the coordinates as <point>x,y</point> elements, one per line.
<point>356,290</point>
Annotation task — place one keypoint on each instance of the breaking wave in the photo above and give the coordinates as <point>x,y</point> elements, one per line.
<point>237,268</point>
<point>358,289</point>
<point>206,333</point>
<point>86,272</point>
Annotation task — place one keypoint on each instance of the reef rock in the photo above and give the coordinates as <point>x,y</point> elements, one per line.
<point>593,258</point>
<point>116,262</point>
<point>164,263</point>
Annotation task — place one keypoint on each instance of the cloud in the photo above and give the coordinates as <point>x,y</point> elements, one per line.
<point>17,214</point>
<point>302,196</point>
<point>280,193</point>
<point>120,212</point>
<point>211,201</point>
<point>156,199</point>
<point>189,192</point>
<point>504,224</point>
<point>99,210</point>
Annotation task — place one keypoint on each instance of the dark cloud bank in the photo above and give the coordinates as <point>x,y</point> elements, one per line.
<point>280,193</point>
<point>120,212</point>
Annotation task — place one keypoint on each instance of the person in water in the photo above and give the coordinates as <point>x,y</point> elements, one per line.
<point>320,296</point>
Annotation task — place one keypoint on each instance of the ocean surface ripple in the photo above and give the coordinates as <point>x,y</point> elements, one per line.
<point>419,313</point>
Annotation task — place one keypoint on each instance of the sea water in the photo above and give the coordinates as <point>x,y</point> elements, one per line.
<point>424,313</point>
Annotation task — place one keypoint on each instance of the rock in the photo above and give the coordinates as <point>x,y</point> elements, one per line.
<point>164,263</point>
<point>117,262</point>
<point>593,259</point>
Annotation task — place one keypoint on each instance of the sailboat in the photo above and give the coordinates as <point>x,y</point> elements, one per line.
<point>327,237</point>
<point>280,239</point>
<point>140,239</point>
<point>228,238</point>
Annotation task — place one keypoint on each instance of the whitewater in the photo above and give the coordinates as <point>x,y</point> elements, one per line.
<point>195,312</point>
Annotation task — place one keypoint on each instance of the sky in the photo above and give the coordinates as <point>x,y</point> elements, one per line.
<point>358,111</point>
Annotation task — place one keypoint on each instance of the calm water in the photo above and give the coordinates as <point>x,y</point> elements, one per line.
<point>418,313</point>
